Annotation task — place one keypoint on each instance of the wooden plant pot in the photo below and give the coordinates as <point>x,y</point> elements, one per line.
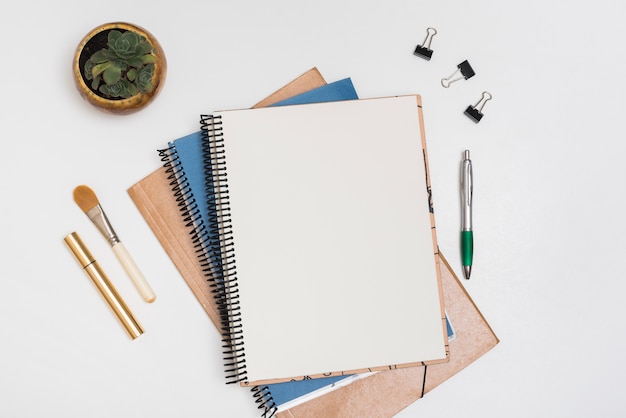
<point>123,96</point>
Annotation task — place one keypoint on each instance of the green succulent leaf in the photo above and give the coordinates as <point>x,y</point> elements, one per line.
<point>135,62</point>
<point>96,82</point>
<point>122,89</point>
<point>100,68</point>
<point>132,90</point>
<point>125,46</point>
<point>121,64</point>
<point>148,59</point>
<point>144,78</point>
<point>143,48</point>
<point>88,69</point>
<point>110,55</point>
<point>99,57</point>
<point>114,35</point>
<point>113,90</point>
<point>131,74</point>
<point>129,89</point>
<point>108,91</point>
<point>112,75</point>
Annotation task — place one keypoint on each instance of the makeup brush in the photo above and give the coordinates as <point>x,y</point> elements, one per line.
<point>87,200</point>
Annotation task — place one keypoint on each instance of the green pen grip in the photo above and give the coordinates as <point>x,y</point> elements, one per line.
<point>467,247</point>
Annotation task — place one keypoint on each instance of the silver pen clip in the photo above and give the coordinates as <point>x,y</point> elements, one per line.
<point>467,190</point>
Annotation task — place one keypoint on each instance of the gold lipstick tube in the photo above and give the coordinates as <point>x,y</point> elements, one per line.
<point>104,286</point>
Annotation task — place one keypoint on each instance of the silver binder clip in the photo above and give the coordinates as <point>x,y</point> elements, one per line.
<point>424,50</point>
<point>475,112</point>
<point>466,72</point>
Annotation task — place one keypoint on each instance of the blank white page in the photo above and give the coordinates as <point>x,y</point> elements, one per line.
<point>333,238</point>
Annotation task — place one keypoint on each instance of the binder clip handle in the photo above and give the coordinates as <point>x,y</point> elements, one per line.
<point>475,112</point>
<point>466,71</point>
<point>424,50</point>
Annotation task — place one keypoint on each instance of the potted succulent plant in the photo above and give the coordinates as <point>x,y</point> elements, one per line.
<point>119,67</point>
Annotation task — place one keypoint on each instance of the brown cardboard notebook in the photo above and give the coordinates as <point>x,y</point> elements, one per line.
<point>382,394</point>
<point>307,81</point>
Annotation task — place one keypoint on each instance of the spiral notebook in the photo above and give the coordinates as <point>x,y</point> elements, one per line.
<point>326,212</point>
<point>188,149</point>
<point>376,394</point>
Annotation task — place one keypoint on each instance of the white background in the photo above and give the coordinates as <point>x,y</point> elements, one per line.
<point>549,193</point>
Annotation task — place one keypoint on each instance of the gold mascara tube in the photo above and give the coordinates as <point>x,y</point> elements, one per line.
<point>101,281</point>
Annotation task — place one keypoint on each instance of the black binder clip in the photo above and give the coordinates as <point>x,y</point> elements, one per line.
<point>466,72</point>
<point>424,50</point>
<point>475,112</point>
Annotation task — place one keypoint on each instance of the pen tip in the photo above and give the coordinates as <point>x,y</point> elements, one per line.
<point>467,270</point>
<point>467,154</point>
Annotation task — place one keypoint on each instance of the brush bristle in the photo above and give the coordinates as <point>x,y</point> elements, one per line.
<point>85,198</point>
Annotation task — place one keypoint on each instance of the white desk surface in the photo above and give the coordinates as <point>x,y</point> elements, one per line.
<point>549,193</point>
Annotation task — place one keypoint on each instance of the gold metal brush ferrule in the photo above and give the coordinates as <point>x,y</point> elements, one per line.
<point>89,264</point>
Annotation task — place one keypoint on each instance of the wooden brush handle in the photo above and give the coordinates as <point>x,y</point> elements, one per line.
<point>133,272</point>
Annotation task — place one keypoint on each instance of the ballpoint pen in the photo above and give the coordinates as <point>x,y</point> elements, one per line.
<point>467,236</point>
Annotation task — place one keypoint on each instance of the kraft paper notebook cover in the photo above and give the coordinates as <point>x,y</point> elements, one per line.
<point>308,81</point>
<point>318,206</point>
<point>152,195</point>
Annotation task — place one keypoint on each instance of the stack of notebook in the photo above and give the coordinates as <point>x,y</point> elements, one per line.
<point>305,228</point>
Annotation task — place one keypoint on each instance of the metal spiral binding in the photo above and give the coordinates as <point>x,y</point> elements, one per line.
<point>221,250</point>
<point>223,286</point>
<point>263,397</point>
<point>186,202</point>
